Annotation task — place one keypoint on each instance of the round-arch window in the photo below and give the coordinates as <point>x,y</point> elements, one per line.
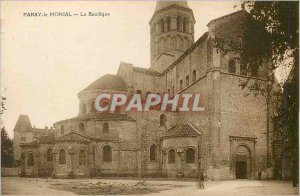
<point>190,155</point>
<point>62,130</point>
<point>194,76</point>
<point>105,127</point>
<point>181,84</point>
<point>179,23</point>
<point>187,80</point>
<point>171,156</point>
<point>92,107</point>
<point>81,127</point>
<point>62,157</point>
<point>231,67</point>
<point>153,152</point>
<point>107,155</point>
<point>163,120</point>
<point>82,157</point>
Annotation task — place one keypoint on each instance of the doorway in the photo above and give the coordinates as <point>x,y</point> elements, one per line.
<point>241,170</point>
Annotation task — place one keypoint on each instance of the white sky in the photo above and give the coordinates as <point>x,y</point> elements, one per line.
<point>46,61</point>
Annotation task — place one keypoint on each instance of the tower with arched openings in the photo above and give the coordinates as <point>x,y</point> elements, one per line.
<point>171,32</point>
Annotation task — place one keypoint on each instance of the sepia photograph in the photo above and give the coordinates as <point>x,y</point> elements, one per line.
<point>149,97</point>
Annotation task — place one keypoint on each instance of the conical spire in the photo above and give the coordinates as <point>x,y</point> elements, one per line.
<point>23,123</point>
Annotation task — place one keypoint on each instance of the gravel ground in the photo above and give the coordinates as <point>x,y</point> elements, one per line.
<point>120,186</point>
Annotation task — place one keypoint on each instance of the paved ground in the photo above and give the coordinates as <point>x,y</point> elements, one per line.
<point>33,186</point>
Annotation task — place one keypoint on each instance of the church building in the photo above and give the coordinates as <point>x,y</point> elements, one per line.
<point>231,139</point>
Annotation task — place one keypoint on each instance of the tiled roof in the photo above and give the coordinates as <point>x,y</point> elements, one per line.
<point>182,130</point>
<point>73,137</point>
<point>239,12</point>
<point>147,71</point>
<point>108,82</point>
<point>163,4</point>
<point>102,117</point>
<point>46,139</point>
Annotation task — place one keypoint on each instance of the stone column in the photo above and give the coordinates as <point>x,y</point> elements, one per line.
<point>214,109</point>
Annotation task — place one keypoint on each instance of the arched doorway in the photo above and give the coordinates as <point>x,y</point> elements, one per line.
<point>242,162</point>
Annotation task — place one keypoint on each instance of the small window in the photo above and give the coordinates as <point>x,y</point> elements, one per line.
<point>171,156</point>
<point>62,130</point>
<point>81,127</point>
<point>231,67</point>
<point>49,155</point>
<point>187,80</point>
<point>168,21</point>
<point>194,76</point>
<point>82,157</point>
<point>105,127</point>
<point>244,69</point>
<point>190,155</point>
<point>107,155</point>
<point>153,152</point>
<point>163,120</point>
<point>62,157</point>
<point>185,22</point>
<point>181,84</point>
<point>30,160</point>
<point>179,23</point>
<point>162,28</point>
<point>92,107</point>
<point>139,92</point>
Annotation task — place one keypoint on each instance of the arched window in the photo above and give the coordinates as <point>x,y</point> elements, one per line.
<point>92,107</point>
<point>194,76</point>
<point>107,156</point>
<point>105,127</point>
<point>30,159</point>
<point>81,127</point>
<point>168,21</point>
<point>84,108</point>
<point>185,22</point>
<point>181,84</point>
<point>62,130</point>
<point>49,155</point>
<point>187,80</point>
<point>163,120</point>
<point>62,157</point>
<point>82,157</point>
<point>171,156</point>
<point>190,155</point>
<point>179,23</point>
<point>231,66</point>
<point>162,28</point>
<point>153,152</point>
<point>244,69</point>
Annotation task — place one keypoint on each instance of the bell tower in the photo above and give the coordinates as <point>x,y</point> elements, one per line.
<point>171,32</point>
